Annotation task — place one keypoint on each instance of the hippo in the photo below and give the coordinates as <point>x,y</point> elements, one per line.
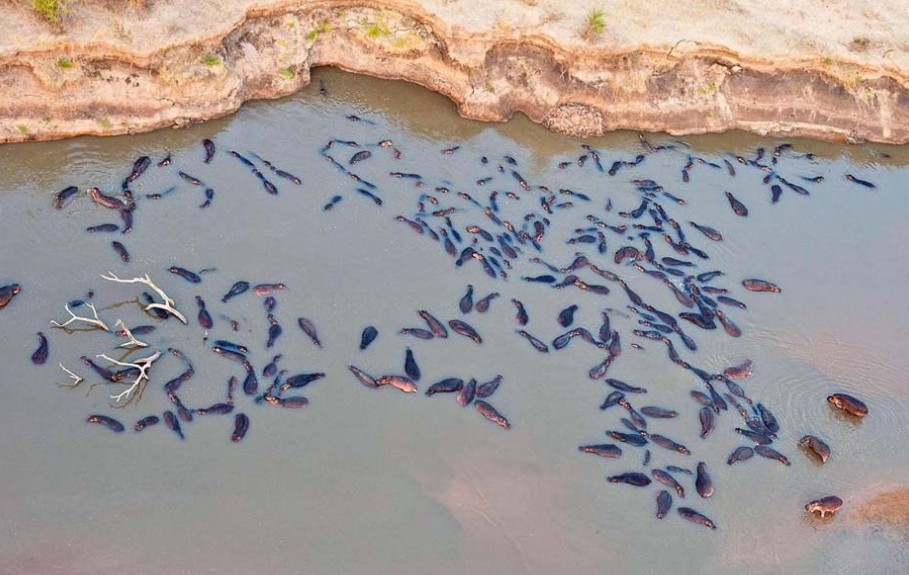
<point>830,504</point>
<point>849,404</point>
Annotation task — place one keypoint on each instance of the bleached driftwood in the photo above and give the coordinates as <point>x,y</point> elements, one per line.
<point>168,304</point>
<point>142,364</point>
<point>76,379</point>
<point>133,342</point>
<point>95,322</point>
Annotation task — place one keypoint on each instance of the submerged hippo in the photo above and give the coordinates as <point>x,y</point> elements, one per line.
<point>830,504</point>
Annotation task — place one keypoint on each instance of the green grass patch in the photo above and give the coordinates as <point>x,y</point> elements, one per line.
<point>323,28</point>
<point>22,128</point>
<point>285,73</point>
<point>376,30</point>
<point>65,63</point>
<point>211,60</point>
<point>406,42</point>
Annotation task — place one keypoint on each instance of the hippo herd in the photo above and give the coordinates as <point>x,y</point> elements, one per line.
<point>501,225</point>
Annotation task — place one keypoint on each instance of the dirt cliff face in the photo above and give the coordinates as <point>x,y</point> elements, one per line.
<point>111,70</point>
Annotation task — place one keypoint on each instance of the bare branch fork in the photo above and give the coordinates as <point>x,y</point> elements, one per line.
<point>95,322</point>
<point>142,364</point>
<point>133,342</point>
<point>168,304</point>
<point>76,379</point>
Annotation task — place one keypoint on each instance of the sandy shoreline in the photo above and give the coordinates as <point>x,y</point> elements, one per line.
<point>835,71</point>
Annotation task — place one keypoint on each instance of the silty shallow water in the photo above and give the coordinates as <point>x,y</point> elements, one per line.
<point>375,481</point>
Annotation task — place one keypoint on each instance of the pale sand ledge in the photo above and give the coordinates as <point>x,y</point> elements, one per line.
<point>834,70</point>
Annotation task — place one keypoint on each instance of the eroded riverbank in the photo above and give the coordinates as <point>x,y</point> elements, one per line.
<point>835,73</point>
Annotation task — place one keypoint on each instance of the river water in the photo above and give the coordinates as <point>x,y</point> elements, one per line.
<point>378,481</point>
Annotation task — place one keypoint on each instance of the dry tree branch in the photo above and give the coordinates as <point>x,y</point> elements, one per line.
<point>133,342</point>
<point>142,364</point>
<point>168,304</point>
<point>76,378</point>
<point>95,322</point>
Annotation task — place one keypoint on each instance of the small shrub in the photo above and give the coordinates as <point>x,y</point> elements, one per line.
<point>211,60</point>
<point>594,24</point>
<point>285,73</point>
<point>22,128</point>
<point>65,63</point>
<point>50,10</point>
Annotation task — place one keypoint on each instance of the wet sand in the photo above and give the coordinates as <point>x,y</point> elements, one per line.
<point>890,508</point>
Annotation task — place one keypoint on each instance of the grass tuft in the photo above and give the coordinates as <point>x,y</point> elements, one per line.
<point>211,60</point>
<point>594,24</point>
<point>50,10</point>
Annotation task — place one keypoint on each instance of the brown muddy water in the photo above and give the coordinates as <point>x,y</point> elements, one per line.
<point>378,481</point>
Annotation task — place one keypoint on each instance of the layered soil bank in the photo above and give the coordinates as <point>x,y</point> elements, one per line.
<point>832,70</point>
